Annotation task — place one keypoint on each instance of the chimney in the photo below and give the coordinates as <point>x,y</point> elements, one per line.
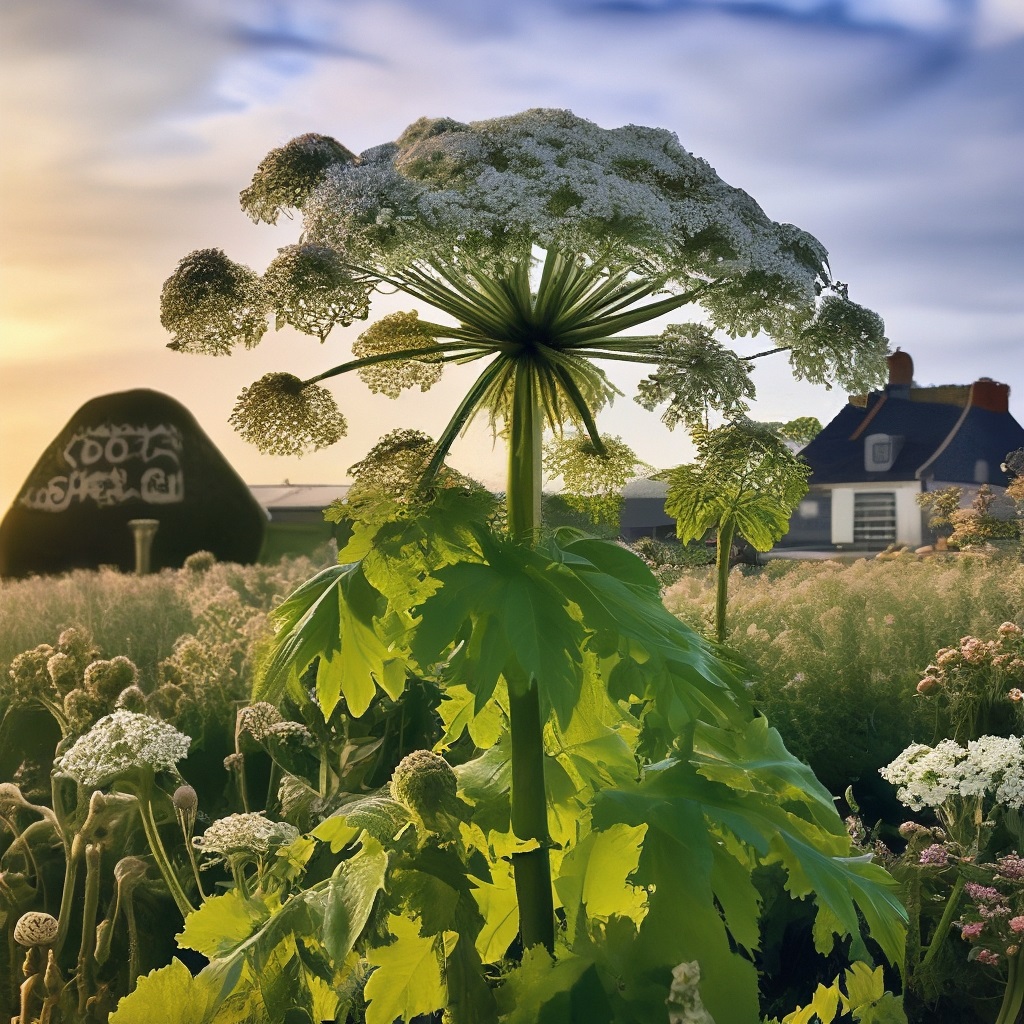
<point>901,369</point>
<point>989,394</point>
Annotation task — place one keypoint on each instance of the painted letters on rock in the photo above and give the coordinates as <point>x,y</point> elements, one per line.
<point>135,454</point>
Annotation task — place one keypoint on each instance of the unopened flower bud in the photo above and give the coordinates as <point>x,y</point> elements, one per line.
<point>185,799</point>
<point>130,870</point>
<point>185,803</point>
<point>132,698</point>
<point>53,979</point>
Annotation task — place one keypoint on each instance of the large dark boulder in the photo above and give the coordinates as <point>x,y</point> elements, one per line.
<point>132,455</point>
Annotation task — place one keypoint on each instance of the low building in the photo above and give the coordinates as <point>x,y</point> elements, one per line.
<point>869,464</point>
<point>296,522</point>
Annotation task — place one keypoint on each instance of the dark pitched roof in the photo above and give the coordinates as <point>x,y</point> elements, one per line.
<point>941,441</point>
<point>980,435</point>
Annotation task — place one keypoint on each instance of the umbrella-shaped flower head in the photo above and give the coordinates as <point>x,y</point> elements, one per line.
<point>121,743</point>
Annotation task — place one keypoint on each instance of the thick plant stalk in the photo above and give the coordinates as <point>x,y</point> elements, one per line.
<point>726,532</point>
<point>532,869</point>
<point>74,852</point>
<point>87,949</point>
<point>948,916</point>
<point>1014,994</point>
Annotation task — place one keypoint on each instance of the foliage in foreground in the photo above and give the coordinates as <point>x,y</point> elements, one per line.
<point>961,873</point>
<point>631,852</point>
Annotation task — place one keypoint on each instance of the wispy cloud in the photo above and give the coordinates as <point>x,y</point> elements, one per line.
<point>892,129</point>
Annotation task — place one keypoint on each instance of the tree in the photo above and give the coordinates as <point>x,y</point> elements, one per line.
<point>544,238</point>
<point>745,480</point>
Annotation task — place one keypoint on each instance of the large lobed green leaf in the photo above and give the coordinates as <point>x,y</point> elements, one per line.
<point>511,618</point>
<point>741,800</point>
<point>333,619</point>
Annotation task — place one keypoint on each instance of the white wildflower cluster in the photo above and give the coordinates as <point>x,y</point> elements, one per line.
<point>249,834</point>
<point>120,743</point>
<point>991,766</point>
<point>631,196</point>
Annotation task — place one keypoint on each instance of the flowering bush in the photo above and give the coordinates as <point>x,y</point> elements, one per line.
<point>988,517</point>
<point>993,916</point>
<point>978,683</point>
<point>969,868</point>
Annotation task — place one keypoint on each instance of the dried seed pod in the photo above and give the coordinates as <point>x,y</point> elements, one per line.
<point>35,929</point>
<point>185,799</point>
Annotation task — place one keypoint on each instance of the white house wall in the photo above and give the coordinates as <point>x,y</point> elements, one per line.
<point>908,512</point>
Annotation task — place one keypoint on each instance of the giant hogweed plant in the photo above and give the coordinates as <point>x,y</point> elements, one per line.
<point>626,778</point>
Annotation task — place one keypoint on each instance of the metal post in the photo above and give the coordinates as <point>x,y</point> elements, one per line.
<point>144,531</point>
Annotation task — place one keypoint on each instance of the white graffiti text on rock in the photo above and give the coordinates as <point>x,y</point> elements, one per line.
<point>112,464</point>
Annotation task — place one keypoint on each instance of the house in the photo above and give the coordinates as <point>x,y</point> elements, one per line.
<point>883,449</point>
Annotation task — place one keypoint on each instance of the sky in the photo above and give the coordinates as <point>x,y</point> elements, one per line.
<point>893,130</point>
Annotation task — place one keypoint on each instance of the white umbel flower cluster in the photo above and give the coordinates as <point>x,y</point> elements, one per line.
<point>991,766</point>
<point>120,743</point>
<point>251,834</point>
<point>629,196</point>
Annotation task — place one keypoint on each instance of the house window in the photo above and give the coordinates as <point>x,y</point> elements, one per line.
<point>808,509</point>
<point>881,453</point>
<point>980,471</point>
<point>874,518</point>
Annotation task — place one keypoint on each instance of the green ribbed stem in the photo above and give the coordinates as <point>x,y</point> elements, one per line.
<point>1013,997</point>
<point>86,952</point>
<point>163,862</point>
<point>531,870</point>
<point>946,922</point>
<point>726,532</point>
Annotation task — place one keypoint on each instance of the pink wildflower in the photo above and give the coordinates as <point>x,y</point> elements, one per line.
<point>1000,910</point>
<point>986,956</point>
<point>1009,629</point>
<point>1015,695</point>
<point>934,854</point>
<point>1017,925</point>
<point>1011,866</point>
<point>973,650</point>
<point>983,893</point>
<point>927,684</point>
<point>972,930</point>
